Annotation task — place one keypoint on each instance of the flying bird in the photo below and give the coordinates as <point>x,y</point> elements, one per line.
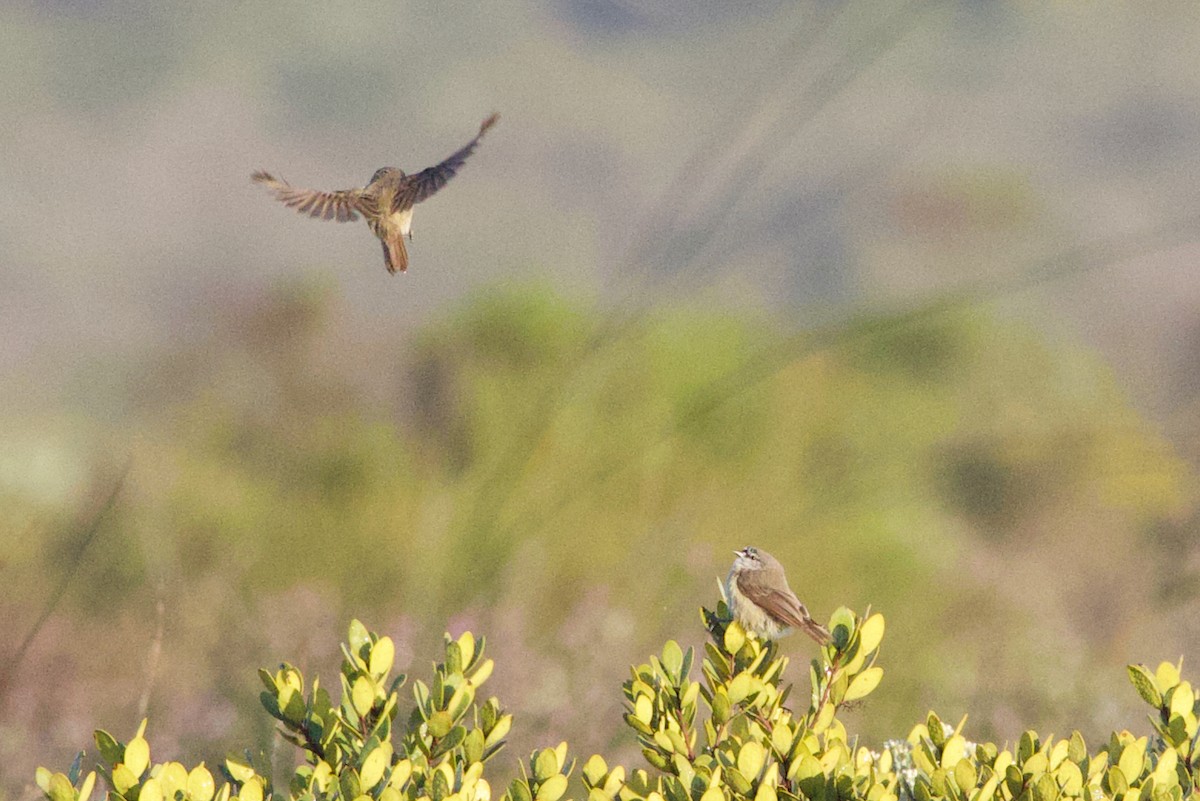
<point>386,202</point>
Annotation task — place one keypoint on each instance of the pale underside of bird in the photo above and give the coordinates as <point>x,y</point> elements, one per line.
<point>386,202</point>
<point>761,600</point>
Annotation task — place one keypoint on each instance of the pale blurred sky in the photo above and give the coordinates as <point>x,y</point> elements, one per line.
<point>959,141</point>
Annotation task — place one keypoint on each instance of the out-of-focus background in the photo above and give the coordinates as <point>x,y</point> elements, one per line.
<point>905,293</point>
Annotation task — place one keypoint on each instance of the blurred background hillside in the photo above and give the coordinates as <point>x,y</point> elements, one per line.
<point>903,292</point>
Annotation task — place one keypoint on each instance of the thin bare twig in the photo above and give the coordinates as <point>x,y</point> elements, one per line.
<point>155,654</point>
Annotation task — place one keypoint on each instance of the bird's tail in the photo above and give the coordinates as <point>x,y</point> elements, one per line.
<point>815,630</point>
<point>395,255</point>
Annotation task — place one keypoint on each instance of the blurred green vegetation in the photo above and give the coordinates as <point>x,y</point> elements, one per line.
<point>574,488</point>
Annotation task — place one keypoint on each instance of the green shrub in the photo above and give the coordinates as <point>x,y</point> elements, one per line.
<point>728,734</point>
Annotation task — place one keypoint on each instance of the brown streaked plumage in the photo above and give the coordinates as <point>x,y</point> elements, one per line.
<point>386,201</point>
<point>761,600</point>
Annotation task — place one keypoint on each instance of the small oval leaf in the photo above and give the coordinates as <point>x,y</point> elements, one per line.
<point>864,684</point>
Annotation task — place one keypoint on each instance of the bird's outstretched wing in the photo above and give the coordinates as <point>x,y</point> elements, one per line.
<point>421,185</point>
<point>340,205</point>
<point>783,605</point>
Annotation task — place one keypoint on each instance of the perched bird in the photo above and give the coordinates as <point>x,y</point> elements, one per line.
<point>762,601</point>
<point>386,201</point>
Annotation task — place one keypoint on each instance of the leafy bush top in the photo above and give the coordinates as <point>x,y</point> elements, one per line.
<point>728,734</point>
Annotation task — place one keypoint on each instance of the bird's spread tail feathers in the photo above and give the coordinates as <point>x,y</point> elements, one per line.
<point>395,255</point>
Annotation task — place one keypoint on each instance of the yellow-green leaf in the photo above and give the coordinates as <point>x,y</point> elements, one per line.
<point>805,768</point>
<point>1145,684</point>
<point>110,749</point>
<point>483,672</point>
<point>965,775</point>
<point>545,765</point>
<point>1182,699</point>
<point>252,790</point>
<point>988,789</point>
<point>1164,771</point>
<point>200,784</point>
<point>466,646</point>
<point>1131,762</point>
<point>499,731</point>
<point>953,751</point>
<point>1166,676</point>
<point>824,719</point>
<point>1036,764</point>
<point>643,709</point>
<point>461,700</point>
<point>741,686</point>
<point>870,633</point>
<point>123,778</point>
<point>1117,783</point>
<point>400,774</point>
<point>552,789</point>
<point>239,770</point>
<point>440,724</point>
<point>151,791</point>
<point>137,755</point>
<point>735,638</point>
<point>322,775</point>
<point>1070,778</point>
<point>1045,788</point>
<point>1058,753</point>
<point>60,788</point>
<point>373,767</point>
<point>781,737</point>
<point>750,760</point>
<point>85,789</point>
<point>173,778</point>
<point>362,696</point>
<point>594,770</point>
<point>864,684</point>
<point>383,653</point>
